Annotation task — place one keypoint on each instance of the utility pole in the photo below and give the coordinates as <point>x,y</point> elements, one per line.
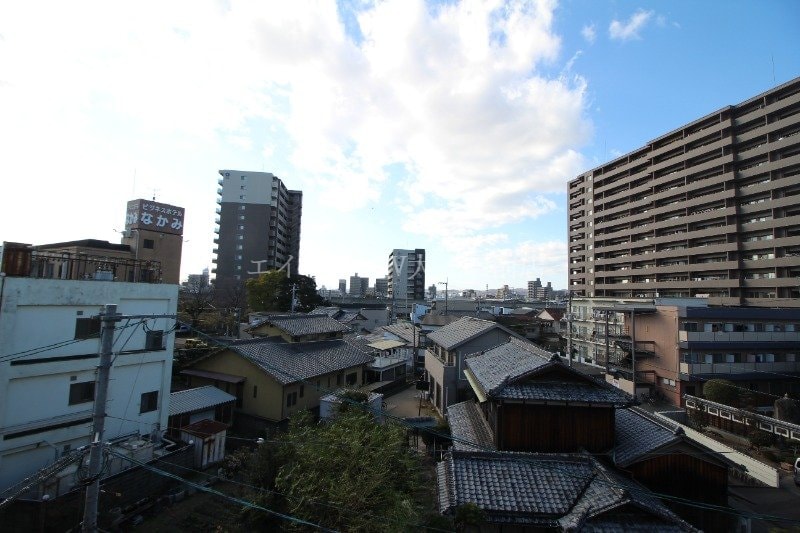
<point>109,318</point>
<point>294,290</point>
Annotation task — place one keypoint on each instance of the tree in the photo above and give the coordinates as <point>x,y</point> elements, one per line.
<point>272,291</point>
<point>722,391</point>
<point>350,474</point>
<point>194,300</point>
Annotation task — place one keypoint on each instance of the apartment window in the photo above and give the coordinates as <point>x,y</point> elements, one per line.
<point>240,237</point>
<point>243,187</point>
<point>239,257</point>
<point>86,328</point>
<point>241,217</point>
<point>81,392</point>
<point>244,178</point>
<point>241,208</point>
<point>238,267</point>
<point>240,247</point>
<point>242,196</point>
<point>291,399</point>
<point>149,244</point>
<point>149,402</point>
<point>240,227</point>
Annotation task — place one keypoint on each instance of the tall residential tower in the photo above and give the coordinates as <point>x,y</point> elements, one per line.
<point>406,274</point>
<point>707,210</point>
<point>258,226</point>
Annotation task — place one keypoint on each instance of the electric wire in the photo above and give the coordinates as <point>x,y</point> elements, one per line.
<point>228,497</point>
<point>400,420</point>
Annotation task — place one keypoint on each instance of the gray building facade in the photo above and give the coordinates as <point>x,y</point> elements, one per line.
<point>707,210</point>
<point>406,274</point>
<point>258,226</point>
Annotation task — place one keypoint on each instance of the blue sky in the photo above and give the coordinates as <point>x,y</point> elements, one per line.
<point>449,126</point>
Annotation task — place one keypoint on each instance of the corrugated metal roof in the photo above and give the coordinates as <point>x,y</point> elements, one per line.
<point>386,345</point>
<point>191,400</point>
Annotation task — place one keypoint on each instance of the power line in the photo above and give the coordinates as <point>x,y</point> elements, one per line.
<point>240,501</point>
<point>400,420</point>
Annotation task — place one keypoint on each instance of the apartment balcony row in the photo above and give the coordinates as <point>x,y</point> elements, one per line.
<point>689,369</point>
<point>736,336</point>
<point>28,263</point>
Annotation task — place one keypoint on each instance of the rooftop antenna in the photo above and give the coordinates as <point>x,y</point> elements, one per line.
<point>154,194</point>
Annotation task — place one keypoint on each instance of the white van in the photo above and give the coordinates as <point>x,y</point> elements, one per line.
<point>797,471</point>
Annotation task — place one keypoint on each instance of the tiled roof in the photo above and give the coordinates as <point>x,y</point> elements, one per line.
<point>435,319</point>
<point>404,331</point>
<point>565,491</point>
<point>349,316</point>
<point>298,325</point>
<point>188,401</point>
<point>637,435</point>
<point>457,333</point>
<point>289,362</point>
<point>330,311</point>
<point>467,425</point>
<point>509,371</point>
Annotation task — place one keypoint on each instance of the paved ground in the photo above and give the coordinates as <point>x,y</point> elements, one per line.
<point>406,403</point>
<point>783,502</point>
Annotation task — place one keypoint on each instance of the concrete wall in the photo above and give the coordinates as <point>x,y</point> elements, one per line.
<point>37,421</point>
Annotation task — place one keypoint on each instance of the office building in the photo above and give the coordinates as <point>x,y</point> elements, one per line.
<point>381,287</point>
<point>406,274</point>
<point>258,226</point>
<point>358,285</point>
<point>709,210</point>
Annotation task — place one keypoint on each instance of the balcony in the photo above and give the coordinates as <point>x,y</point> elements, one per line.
<point>28,263</point>
<point>738,368</point>
<point>739,336</point>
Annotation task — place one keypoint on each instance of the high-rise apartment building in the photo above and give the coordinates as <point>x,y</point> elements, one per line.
<point>537,291</point>
<point>381,287</point>
<point>707,210</point>
<point>342,287</point>
<point>358,285</point>
<point>258,226</point>
<point>406,274</point>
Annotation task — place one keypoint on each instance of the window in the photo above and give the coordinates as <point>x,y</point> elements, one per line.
<point>241,217</point>
<point>154,340</point>
<point>86,328</point>
<point>149,402</point>
<point>291,399</point>
<point>241,208</point>
<point>149,244</point>
<point>240,227</point>
<point>81,392</point>
<point>240,247</point>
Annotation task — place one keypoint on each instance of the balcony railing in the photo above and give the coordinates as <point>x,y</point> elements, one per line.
<point>27,263</point>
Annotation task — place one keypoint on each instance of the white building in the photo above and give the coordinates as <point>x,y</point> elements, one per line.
<point>406,274</point>
<point>49,345</point>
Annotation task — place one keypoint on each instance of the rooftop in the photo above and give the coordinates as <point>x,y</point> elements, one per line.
<point>301,324</point>
<point>520,370</point>
<point>564,491</point>
<point>468,428</point>
<point>190,400</point>
<point>459,332</point>
<point>290,362</point>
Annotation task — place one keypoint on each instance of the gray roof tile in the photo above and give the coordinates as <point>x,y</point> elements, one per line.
<point>289,362</point>
<point>458,332</point>
<point>548,490</point>
<point>510,371</point>
<point>637,435</point>
<point>190,400</point>
<point>298,325</point>
<point>469,429</point>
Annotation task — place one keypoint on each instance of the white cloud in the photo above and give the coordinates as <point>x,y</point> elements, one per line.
<point>454,94</point>
<point>625,31</point>
<point>589,33</point>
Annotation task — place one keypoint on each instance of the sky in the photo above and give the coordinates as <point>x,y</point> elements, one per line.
<point>450,126</point>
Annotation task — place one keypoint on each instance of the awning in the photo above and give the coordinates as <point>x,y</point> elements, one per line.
<point>386,345</point>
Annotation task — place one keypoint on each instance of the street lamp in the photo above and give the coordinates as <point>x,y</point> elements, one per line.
<point>445,293</point>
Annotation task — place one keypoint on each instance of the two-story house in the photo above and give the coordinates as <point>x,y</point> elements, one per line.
<point>49,353</point>
<point>272,379</point>
<point>529,401</point>
<point>446,350</point>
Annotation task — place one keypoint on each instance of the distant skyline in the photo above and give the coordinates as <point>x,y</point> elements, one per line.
<point>449,126</point>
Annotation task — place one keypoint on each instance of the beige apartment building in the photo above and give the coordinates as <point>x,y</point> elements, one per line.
<point>710,210</point>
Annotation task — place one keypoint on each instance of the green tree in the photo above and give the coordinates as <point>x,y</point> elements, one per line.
<point>272,291</point>
<point>350,474</point>
<point>722,391</point>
